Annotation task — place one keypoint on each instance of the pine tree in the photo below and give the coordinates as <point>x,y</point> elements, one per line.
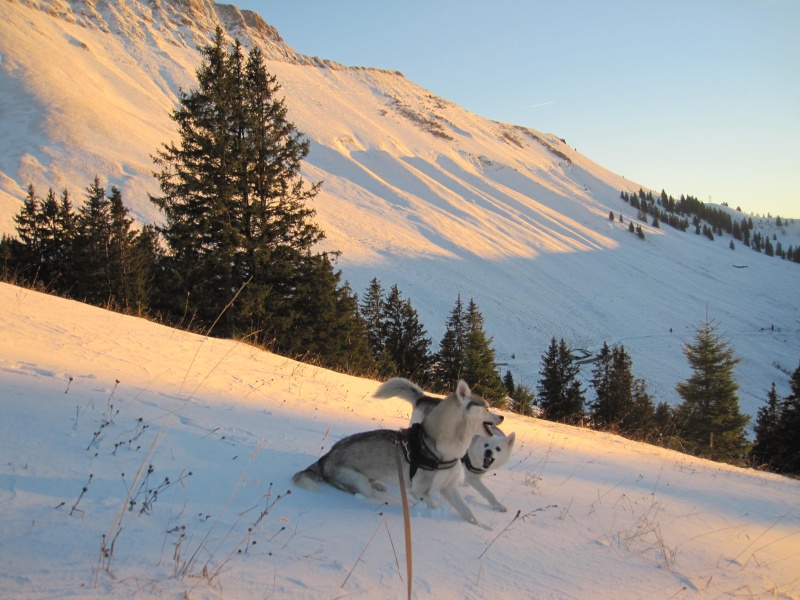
<point>709,420</point>
<point>68,226</point>
<point>599,410</point>
<point>521,396</point>
<point>788,437</point>
<point>639,425</point>
<point>26,249</point>
<point>508,382</point>
<point>663,425</point>
<point>613,380</point>
<point>238,228</point>
<point>146,262</point>
<point>559,393</point>
<point>622,402</point>
<point>28,221</point>
<point>6,257</point>
<point>406,349</point>
<point>342,344</point>
<point>93,247</point>
<point>122,267</point>
<point>767,450</point>
<point>50,240</point>
<point>448,365</point>
<point>371,308</point>
<point>479,359</point>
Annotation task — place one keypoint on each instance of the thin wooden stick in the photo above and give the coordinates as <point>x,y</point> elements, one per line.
<point>406,519</point>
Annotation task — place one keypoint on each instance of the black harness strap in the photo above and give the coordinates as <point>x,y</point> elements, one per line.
<point>487,462</point>
<point>418,454</point>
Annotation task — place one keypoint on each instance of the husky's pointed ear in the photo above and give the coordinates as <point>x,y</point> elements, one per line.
<point>463,392</point>
<point>510,439</point>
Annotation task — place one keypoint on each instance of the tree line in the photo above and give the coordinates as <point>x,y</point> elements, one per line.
<point>707,422</point>
<point>706,220</point>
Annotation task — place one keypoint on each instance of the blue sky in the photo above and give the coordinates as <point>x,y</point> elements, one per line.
<point>695,97</point>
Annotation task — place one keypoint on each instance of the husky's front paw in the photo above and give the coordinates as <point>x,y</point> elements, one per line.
<point>499,507</point>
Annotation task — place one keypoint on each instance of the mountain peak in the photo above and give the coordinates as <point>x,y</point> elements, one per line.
<point>181,23</point>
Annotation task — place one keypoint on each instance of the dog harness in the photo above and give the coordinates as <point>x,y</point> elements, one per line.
<point>488,459</point>
<point>418,454</point>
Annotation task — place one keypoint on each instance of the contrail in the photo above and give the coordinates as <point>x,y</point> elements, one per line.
<point>538,105</point>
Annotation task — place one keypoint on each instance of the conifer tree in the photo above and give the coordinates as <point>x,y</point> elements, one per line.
<point>406,349</point>
<point>26,248</point>
<point>68,228</point>
<point>6,257</point>
<point>767,447</point>
<point>50,241</point>
<point>521,396</point>
<point>479,359</point>
<point>639,424</point>
<point>788,434</point>
<point>559,393</point>
<point>93,247</point>
<point>146,262</point>
<point>238,228</point>
<point>663,425</point>
<point>371,308</point>
<point>342,343</point>
<point>622,403</point>
<point>599,410</point>
<point>121,264</point>
<point>41,252</point>
<point>448,365</point>
<point>708,419</point>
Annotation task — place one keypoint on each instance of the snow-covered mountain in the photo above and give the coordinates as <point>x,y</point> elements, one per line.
<point>417,191</point>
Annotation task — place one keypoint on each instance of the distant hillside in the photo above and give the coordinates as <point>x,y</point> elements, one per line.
<point>417,191</point>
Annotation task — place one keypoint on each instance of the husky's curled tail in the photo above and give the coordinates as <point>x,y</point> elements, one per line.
<point>309,478</point>
<point>407,390</point>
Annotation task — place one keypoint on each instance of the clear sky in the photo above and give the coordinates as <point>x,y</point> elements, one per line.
<point>697,97</point>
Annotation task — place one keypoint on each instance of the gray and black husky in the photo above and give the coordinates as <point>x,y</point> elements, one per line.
<point>483,454</point>
<point>431,451</point>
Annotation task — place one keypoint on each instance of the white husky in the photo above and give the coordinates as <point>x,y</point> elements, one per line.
<point>431,453</point>
<point>483,454</point>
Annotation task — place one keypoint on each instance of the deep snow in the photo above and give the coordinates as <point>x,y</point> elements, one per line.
<point>228,424</point>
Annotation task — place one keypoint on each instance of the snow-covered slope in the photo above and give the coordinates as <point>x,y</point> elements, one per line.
<point>417,191</point>
<point>99,409</point>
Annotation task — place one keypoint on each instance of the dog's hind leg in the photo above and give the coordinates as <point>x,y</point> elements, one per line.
<point>451,494</point>
<point>352,481</point>
<point>377,485</point>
